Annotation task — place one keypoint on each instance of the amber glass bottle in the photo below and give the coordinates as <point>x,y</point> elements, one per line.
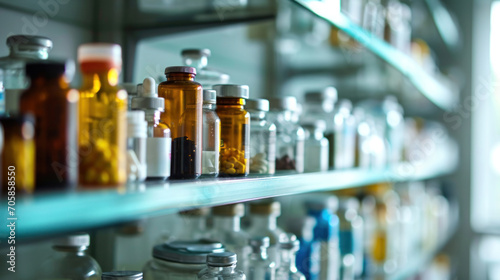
<point>102,117</point>
<point>18,155</point>
<point>235,130</point>
<point>54,106</point>
<point>183,115</point>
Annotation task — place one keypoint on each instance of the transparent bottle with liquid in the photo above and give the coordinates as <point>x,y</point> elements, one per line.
<point>158,140</point>
<point>102,117</point>
<point>55,108</point>
<point>221,266</point>
<point>226,228</point>
<point>183,115</point>
<point>207,77</point>
<point>22,49</point>
<point>262,137</point>
<point>289,246</point>
<point>289,135</point>
<point>211,135</point>
<point>263,219</point>
<point>316,146</point>
<point>70,260</point>
<point>260,267</point>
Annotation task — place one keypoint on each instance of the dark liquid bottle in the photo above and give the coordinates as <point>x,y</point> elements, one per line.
<point>54,106</point>
<point>183,115</point>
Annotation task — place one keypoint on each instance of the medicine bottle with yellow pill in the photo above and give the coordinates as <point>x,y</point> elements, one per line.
<point>102,117</point>
<point>235,129</point>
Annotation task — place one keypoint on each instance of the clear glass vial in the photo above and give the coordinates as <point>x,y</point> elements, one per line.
<point>226,228</point>
<point>262,138</point>
<point>207,77</point>
<point>316,146</point>
<point>211,135</point>
<point>158,140</point>
<point>235,129</point>
<point>23,49</point>
<point>289,135</point>
<point>289,246</point>
<point>221,266</point>
<point>102,117</point>
<point>122,275</point>
<point>70,260</point>
<point>180,260</point>
<point>263,219</point>
<point>260,267</point>
<point>183,115</point>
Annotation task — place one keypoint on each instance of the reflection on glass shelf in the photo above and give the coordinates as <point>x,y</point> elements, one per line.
<point>50,213</point>
<point>436,88</point>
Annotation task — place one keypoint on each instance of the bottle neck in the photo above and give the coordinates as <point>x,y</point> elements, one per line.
<point>222,269</point>
<point>152,116</point>
<point>288,259</point>
<point>198,62</point>
<point>32,52</point>
<point>257,115</point>
<point>194,223</point>
<point>265,221</point>
<point>230,102</point>
<point>78,251</point>
<point>209,106</point>
<point>231,223</point>
<point>318,134</point>
<point>260,252</point>
<point>96,78</point>
<point>40,82</point>
<point>180,76</point>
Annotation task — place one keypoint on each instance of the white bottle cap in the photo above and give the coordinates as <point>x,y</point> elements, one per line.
<point>136,125</point>
<point>76,240</point>
<point>149,87</point>
<point>100,52</point>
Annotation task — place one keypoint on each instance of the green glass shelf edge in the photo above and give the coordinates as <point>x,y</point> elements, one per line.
<point>431,88</point>
<point>42,215</point>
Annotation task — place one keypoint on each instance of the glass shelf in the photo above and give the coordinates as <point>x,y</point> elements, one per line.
<point>437,91</point>
<point>45,214</point>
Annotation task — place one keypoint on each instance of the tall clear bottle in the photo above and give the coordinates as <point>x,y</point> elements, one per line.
<point>316,146</point>
<point>70,260</point>
<point>221,266</point>
<point>235,129</point>
<point>103,117</point>
<point>22,49</point>
<point>55,108</point>
<point>344,135</point>
<point>260,267</point>
<point>211,135</point>
<point>183,115</point>
<point>289,135</point>
<point>289,245</point>
<point>262,137</point>
<point>263,219</point>
<point>350,237</point>
<point>207,77</point>
<point>158,142</point>
<point>226,228</point>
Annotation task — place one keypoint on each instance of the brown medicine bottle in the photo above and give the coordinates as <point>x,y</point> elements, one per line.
<point>235,130</point>
<point>54,106</point>
<point>183,115</point>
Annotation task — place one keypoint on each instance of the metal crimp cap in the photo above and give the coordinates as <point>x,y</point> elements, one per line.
<point>258,242</point>
<point>221,259</point>
<point>122,275</point>
<point>27,40</point>
<point>197,52</point>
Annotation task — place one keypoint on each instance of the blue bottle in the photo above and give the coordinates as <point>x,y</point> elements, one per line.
<point>326,233</point>
<point>308,256</point>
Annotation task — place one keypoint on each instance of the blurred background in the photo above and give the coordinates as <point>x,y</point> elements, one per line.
<point>439,59</point>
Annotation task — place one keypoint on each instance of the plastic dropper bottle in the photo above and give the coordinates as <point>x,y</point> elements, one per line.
<point>158,141</point>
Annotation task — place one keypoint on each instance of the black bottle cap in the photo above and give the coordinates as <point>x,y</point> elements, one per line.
<point>50,69</point>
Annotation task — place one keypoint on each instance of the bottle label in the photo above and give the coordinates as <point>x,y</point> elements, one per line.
<point>158,156</point>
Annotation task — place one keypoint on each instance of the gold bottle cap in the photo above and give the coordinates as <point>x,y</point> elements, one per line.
<point>237,209</point>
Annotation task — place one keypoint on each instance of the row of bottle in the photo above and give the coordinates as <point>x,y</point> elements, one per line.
<point>343,237</point>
